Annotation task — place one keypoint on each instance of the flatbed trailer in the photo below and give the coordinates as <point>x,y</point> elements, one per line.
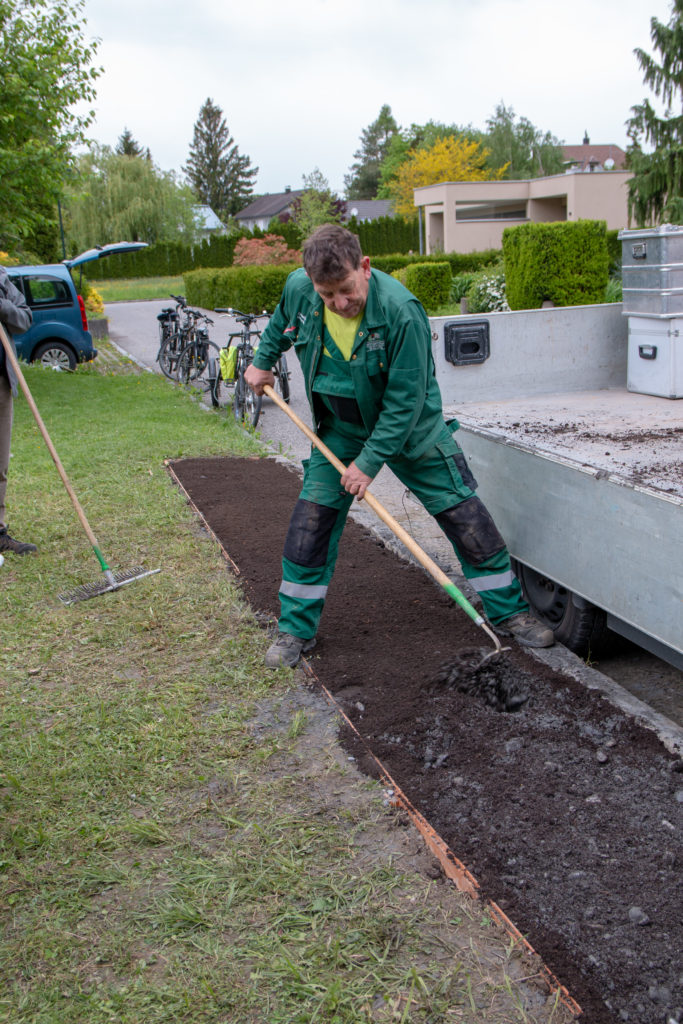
<point>583,477</point>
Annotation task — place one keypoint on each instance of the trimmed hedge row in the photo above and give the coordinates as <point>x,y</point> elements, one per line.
<point>459,262</point>
<point>566,263</point>
<point>429,282</point>
<point>250,289</point>
<point>168,259</point>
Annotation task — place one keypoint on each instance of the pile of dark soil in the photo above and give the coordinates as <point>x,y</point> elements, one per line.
<point>567,811</point>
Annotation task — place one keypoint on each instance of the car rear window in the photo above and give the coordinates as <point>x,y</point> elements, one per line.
<point>44,290</point>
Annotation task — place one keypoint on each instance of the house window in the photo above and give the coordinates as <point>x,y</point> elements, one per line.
<point>490,211</point>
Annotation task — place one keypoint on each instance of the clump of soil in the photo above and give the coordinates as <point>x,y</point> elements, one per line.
<point>567,811</point>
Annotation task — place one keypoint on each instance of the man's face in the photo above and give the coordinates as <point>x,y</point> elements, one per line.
<point>347,297</point>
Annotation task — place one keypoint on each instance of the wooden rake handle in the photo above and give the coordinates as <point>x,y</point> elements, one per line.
<point>14,362</point>
<point>422,557</point>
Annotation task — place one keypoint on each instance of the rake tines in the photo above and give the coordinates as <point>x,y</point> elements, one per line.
<point>112,581</point>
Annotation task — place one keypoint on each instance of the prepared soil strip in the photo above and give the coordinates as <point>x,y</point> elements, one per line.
<point>568,812</point>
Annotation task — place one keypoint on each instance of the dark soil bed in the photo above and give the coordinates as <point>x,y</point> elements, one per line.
<point>567,811</point>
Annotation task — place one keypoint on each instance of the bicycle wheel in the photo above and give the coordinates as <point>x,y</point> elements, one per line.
<point>238,398</point>
<point>194,362</point>
<point>282,379</point>
<point>213,374</point>
<point>246,405</point>
<point>168,355</point>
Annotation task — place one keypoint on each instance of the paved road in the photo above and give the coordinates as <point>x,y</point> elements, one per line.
<point>134,328</point>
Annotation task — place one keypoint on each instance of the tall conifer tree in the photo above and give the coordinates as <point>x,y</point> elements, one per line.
<point>219,174</point>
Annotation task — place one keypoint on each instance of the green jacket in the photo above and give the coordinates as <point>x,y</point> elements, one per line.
<point>391,364</point>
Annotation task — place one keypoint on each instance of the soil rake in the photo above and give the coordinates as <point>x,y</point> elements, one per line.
<point>422,557</point>
<point>112,580</point>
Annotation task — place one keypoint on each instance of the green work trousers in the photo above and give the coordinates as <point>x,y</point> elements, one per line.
<point>440,479</point>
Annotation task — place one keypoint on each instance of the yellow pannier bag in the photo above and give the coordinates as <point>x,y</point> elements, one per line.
<point>228,363</point>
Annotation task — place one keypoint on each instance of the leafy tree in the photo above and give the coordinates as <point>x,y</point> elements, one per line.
<point>450,159</point>
<point>525,151</point>
<point>127,197</point>
<point>219,174</point>
<point>406,142</point>
<point>656,189</point>
<point>46,69</point>
<point>128,146</point>
<point>316,205</point>
<point>363,181</point>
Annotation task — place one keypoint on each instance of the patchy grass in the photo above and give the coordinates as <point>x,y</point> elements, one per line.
<point>139,288</point>
<point>181,838</point>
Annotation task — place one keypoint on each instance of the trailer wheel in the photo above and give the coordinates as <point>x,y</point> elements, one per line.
<point>576,623</point>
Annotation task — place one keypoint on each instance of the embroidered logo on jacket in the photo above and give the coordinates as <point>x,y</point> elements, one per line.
<point>374,343</point>
<point>301,317</point>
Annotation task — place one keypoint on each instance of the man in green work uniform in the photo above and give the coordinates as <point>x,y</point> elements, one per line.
<point>364,344</point>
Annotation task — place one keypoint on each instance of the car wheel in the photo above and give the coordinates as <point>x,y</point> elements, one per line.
<point>56,355</point>
<point>576,623</point>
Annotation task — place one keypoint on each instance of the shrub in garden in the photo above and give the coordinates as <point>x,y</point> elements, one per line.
<point>614,290</point>
<point>486,293</point>
<point>269,250</point>
<point>460,285</point>
<point>429,282</point>
<point>460,262</point>
<point>566,263</point>
<point>251,289</point>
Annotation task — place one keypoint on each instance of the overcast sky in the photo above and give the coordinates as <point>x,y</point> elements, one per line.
<point>298,81</point>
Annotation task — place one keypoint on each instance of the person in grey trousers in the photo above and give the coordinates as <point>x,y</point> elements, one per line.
<point>16,317</point>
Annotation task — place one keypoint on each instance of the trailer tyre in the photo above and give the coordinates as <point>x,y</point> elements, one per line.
<point>576,623</point>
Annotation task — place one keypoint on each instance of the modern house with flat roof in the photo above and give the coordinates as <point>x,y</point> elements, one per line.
<point>468,216</point>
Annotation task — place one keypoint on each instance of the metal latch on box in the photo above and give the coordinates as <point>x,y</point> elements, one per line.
<point>467,344</point>
<point>639,250</point>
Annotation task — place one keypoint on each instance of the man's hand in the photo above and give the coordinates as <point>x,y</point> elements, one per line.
<point>355,481</point>
<point>256,378</point>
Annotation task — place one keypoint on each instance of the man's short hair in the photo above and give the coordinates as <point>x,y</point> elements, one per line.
<point>330,253</point>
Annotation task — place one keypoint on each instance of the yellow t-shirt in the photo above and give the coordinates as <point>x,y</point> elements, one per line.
<point>343,331</point>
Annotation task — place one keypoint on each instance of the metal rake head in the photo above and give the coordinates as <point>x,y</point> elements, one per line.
<point>115,581</point>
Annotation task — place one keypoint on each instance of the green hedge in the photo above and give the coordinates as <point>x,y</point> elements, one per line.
<point>168,259</point>
<point>566,263</point>
<point>614,250</point>
<point>251,289</point>
<point>459,262</point>
<point>429,282</point>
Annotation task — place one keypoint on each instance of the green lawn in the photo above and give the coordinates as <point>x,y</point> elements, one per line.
<point>162,860</point>
<point>139,288</point>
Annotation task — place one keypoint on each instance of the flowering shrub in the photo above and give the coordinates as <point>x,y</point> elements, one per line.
<point>8,261</point>
<point>486,293</point>
<point>93,301</point>
<point>271,249</point>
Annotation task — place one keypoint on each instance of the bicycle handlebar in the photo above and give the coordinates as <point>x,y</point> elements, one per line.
<point>179,299</point>
<point>243,318</point>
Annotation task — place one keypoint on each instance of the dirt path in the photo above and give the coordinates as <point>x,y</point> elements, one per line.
<point>568,812</point>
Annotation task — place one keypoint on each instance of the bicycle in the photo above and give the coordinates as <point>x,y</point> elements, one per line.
<point>171,338</point>
<point>199,355</point>
<point>246,405</point>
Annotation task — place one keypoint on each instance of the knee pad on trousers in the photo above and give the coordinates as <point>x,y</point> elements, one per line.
<point>470,527</point>
<point>308,536</point>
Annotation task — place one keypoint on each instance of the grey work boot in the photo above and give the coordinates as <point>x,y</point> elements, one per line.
<point>528,630</point>
<point>17,547</point>
<point>287,650</point>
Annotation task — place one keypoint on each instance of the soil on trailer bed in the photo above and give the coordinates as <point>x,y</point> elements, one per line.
<point>567,811</point>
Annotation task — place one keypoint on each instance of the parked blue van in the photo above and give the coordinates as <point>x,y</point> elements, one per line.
<point>59,335</point>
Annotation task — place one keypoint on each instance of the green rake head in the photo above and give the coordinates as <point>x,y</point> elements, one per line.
<point>111,581</point>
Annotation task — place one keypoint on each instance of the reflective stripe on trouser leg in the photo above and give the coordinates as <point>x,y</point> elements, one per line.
<point>496,584</point>
<point>308,562</point>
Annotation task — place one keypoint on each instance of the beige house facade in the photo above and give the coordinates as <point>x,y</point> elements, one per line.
<point>468,216</point>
